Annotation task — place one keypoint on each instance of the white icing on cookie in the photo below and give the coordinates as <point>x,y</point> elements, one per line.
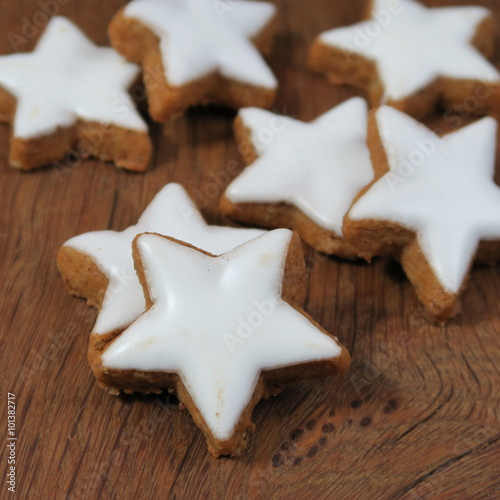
<point>200,37</point>
<point>171,213</point>
<point>68,78</point>
<point>200,304</point>
<point>440,188</point>
<point>413,45</point>
<point>319,167</point>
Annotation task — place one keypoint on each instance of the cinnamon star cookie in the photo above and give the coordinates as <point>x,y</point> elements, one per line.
<point>412,57</point>
<point>302,176</point>
<point>434,204</point>
<point>70,97</point>
<point>198,51</point>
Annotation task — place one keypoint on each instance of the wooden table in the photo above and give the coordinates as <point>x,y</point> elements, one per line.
<point>416,417</point>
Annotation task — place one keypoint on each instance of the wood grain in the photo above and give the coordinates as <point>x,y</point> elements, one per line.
<point>417,417</point>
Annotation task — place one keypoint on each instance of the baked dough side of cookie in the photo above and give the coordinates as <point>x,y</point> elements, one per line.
<point>128,149</point>
<point>471,96</point>
<point>84,279</point>
<point>82,276</point>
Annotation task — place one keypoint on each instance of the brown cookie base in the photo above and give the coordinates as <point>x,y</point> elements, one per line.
<point>476,97</point>
<point>137,43</point>
<point>84,279</point>
<point>282,215</point>
<point>269,383</point>
<point>82,276</point>
<point>378,237</point>
<point>128,149</point>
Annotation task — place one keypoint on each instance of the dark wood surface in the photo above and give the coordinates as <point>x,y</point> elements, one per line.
<point>416,417</point>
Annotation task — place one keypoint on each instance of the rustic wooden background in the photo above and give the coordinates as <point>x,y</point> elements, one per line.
<point>417,416</point>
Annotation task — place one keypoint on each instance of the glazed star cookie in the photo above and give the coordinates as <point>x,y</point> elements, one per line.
<point>222,332</point>
<point>302,176</point>
<point>434,204</point>
<point>198,52</point>
<point>71,97</point>
<point>99,266</point>
<point>411,57</point>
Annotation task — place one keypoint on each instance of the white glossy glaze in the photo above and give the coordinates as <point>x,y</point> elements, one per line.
<point>200,37</point>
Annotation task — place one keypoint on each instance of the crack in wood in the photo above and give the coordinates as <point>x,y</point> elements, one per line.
<point>444,466</point>
<point>424,420</point>
<point>474,376</point>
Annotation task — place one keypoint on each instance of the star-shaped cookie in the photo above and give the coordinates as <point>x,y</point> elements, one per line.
<point>222,331</point>
<point>69,96</point>
<point>434,205</point>
<point>303,176</point>
<point>410,56</point>
<point>198,51</point>
<point>99,266</point>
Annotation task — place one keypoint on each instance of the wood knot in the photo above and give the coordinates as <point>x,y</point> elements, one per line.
<point>278,460</point>
<point>365,421</point>
<point>296,434</point>
<point>328,428</point>
<point>391,406</point>
<point>311,424</point>
<point>313,451</point>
